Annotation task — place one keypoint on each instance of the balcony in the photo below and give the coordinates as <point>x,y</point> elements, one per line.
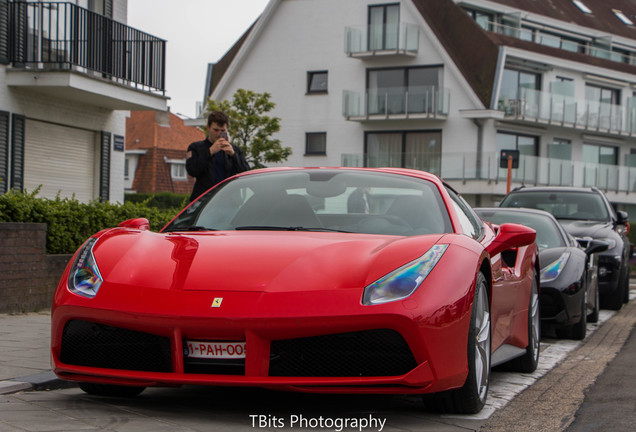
<point>396,103</point>
<point>598,47</point>
<point>66,51</point>
<point>534,106</point>
<point>484,167</point>
<point>382,40</point>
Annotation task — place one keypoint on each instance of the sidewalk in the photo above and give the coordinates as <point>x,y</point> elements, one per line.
<point>565,394</point>
<point>24,353</point>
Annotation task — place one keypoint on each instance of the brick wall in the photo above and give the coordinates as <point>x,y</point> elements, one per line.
<point>28,276</point>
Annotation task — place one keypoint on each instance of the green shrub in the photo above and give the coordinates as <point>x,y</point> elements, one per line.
<point>70,222</point>
<point>162,200</point>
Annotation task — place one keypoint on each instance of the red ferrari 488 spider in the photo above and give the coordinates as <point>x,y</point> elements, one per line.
<point>331,280</point>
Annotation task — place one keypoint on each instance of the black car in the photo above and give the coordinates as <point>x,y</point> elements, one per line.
<point>569,282</point>
<point>586,212</point>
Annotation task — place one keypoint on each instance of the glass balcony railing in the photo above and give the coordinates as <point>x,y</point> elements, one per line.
<point>425,101</point>
<point>532,170</point>
<point>549,108</point>
<point>379,39</point>
<point>599,49</point>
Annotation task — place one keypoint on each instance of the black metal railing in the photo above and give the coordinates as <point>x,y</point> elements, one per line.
<point>50,35</point>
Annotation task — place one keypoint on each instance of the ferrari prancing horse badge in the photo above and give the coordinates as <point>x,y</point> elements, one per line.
<point>217,302</point>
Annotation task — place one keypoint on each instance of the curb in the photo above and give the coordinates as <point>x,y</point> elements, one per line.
<point>38,382</point>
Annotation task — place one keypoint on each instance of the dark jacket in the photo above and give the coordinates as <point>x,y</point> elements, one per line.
<point>201,166</point>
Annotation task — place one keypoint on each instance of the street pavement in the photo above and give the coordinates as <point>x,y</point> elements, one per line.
<point>586,386</point>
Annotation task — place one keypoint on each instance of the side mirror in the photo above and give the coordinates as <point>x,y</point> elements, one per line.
<point>595,246</point>
<point>511,236</point>
<point>621,217</point>
<point>137,223</point>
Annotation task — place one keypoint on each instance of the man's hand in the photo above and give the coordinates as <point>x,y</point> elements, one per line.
<point>222,145</point>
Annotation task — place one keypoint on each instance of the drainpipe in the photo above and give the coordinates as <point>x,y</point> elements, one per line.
<point>478,159</point>
<point>480,145</point>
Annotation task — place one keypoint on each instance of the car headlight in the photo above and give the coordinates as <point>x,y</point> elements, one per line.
<point>85,278</point>
<point>611,243</point>
<point>403,281</point>
<point>553,270</point>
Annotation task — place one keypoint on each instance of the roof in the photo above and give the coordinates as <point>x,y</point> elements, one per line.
<point>554,189</point>
<point>219,68</point>
<point>152,129</point>
<point>602,17</point>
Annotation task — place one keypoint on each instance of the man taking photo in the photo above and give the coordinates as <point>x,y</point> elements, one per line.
<point>214,159</point>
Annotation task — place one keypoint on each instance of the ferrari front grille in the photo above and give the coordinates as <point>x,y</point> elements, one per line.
<point>86,343</point>
<point>367,353</point>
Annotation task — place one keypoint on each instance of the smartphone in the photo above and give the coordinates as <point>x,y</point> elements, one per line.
<point>223,135</point>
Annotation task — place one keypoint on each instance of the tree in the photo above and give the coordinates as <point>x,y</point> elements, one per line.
<point>251,129</point>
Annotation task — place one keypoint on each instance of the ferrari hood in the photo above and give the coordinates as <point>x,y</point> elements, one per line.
<point>252,260</point>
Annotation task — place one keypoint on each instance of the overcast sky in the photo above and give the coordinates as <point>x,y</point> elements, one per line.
<point>197,32</point>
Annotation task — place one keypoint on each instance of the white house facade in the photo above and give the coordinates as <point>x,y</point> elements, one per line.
<point>70,72</point>
<point>445,86</point>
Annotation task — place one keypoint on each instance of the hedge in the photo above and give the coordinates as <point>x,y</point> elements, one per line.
<point>162,200</point>
<point>71,222</point>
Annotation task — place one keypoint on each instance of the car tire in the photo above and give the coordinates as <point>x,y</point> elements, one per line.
<point>528,362</point>
<point>579,330</point>
<point>471,397</point>
<point>110,390</point>
<point>626,288</point>
<point>614,299</point>
<point>593,317</point>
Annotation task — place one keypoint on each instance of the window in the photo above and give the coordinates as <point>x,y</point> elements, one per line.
<point>600,166</point>
<point>317,82</point>
<point>621,16</point>
<point>560,149</point>
<point>470,223</point>
<point>413,149</point>
<point>600,94</point>
<point>315,143</point>
<point>599,154</point>
<point>178,171</point>
<point>388,90</point>
<point>384,25</point>
<point>483,19</point>
<point>519,92</point>
<point>602,107</point>
<point>557,41</point>
<point>582,6</point>
<point>528,146</point>
<point>560,164</point>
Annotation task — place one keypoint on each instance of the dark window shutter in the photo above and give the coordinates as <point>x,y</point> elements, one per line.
<point>4,32</point>
<point>18,31</point>
<point>4,151</point>
<point>18,123</point>
<point>104,163</point>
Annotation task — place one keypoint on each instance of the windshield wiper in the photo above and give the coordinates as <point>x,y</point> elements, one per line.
<point>190,228</point>
<point>289,228</point>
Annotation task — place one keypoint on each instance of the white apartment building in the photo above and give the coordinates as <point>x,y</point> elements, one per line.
<point>446,85</point>
<point>70,72</point>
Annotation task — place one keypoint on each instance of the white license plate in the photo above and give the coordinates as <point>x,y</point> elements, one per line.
<point>215,350</point>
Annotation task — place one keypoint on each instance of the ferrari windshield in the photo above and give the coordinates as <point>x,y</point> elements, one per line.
<point>320,200</point>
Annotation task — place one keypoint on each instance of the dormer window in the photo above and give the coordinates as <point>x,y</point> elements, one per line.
<point>621,16</point>
<point>579,4</point>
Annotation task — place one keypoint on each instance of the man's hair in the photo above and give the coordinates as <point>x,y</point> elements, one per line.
<point>218,117</point>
